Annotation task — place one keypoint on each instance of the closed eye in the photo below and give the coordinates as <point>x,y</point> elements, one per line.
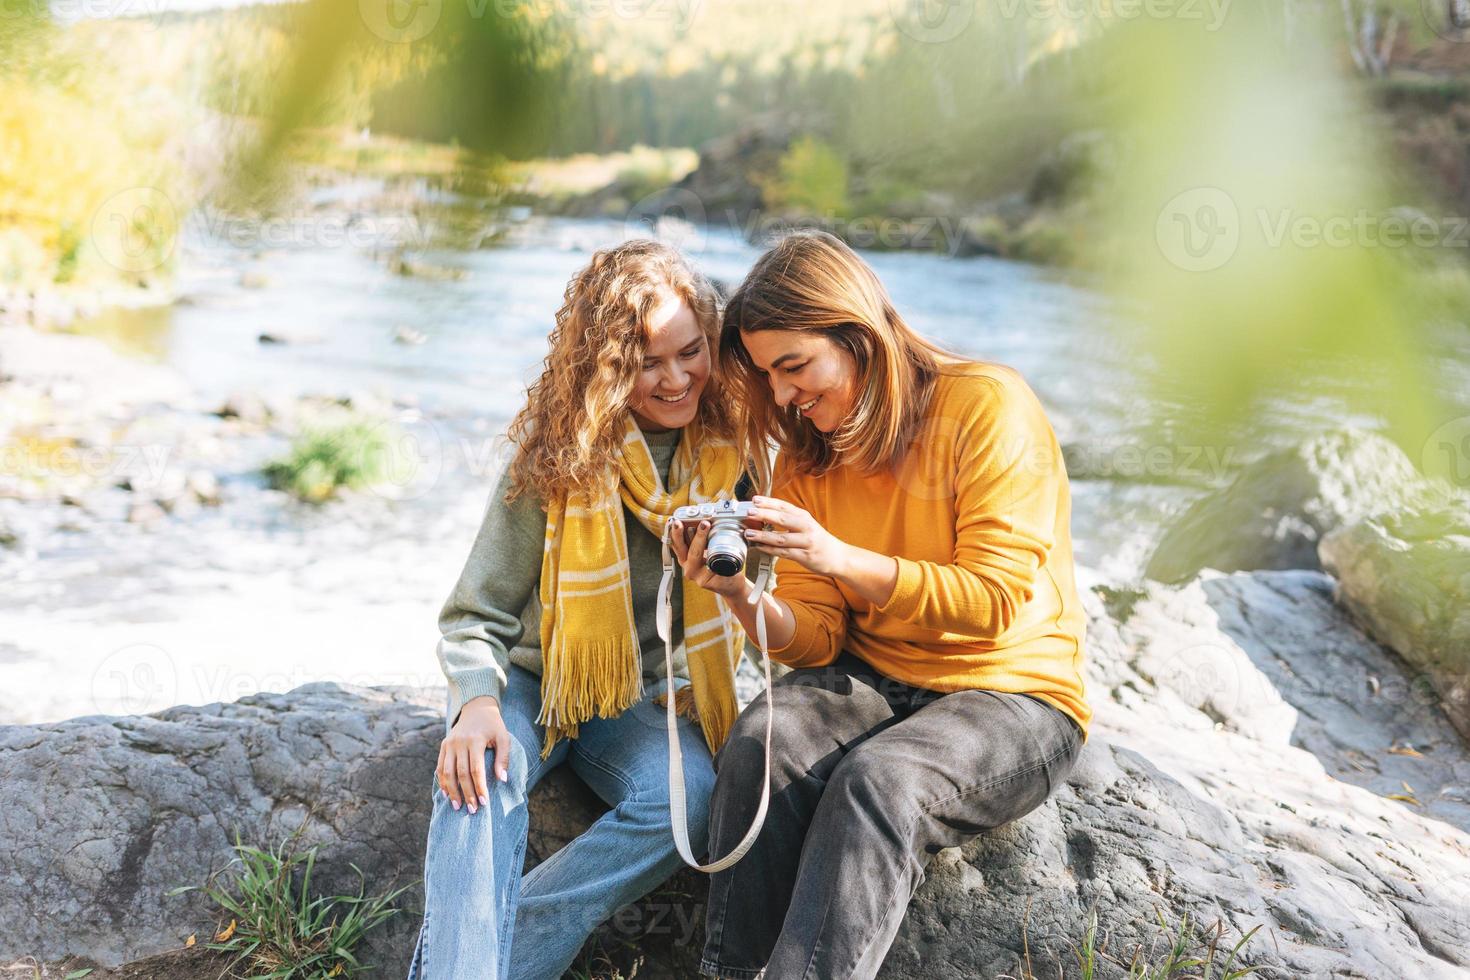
<point>798,367</point>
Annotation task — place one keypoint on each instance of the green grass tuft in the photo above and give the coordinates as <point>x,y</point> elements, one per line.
<point>1179,952</point>
<point>325,458</point>
<point>277,930</point>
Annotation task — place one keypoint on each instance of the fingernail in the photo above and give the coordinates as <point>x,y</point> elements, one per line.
<point>503,776</point>
<point>454,803</point>
<point>473,808</point>
<point>483,801</point>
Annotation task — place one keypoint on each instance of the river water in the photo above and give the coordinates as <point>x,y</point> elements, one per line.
<point>263,593</point>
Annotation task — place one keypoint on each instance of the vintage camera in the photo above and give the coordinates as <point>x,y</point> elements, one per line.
<point>724,552</point>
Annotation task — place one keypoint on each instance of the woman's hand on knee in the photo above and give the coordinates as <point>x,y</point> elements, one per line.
<point>461,768</point>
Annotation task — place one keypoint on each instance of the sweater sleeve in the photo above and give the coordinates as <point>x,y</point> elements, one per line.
<point>481,620</point>
<point>816,603</point>
<point>1008,478</point>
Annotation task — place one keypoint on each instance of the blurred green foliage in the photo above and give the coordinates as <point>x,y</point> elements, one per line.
<point>86,167</point>
<point>811,177</point>
<point>1253,229</point>
<point>355,453</point>
<point>1252,122</point>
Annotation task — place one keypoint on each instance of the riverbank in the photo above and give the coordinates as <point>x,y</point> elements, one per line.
<point>149,563</point>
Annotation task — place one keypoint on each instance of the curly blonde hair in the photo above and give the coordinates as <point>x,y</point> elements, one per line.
<point>568,435</point>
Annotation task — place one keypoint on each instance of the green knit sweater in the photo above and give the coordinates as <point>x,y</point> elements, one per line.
<point>492,617</point>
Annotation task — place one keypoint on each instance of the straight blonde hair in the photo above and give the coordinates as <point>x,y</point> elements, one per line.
<point>811,281</point>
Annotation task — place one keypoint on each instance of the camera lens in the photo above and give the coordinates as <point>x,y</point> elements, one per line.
<point>724,553</point>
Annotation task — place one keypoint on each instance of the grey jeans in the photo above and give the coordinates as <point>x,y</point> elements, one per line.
<point>870,778</point>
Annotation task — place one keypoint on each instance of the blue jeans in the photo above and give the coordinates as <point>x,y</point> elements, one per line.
<point>475,897</point>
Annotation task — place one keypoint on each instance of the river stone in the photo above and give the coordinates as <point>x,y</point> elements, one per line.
<point>1275,511</point>
<point>1406,576</point>
<point>1234,797</point>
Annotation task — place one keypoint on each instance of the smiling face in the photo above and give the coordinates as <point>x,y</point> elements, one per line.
<point>806,370</point>
<point>675,370</point>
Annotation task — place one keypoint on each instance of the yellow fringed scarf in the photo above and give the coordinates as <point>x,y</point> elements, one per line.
<point>591,663</point>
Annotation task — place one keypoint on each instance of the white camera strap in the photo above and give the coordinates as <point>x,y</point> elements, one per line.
<point>677,815</point>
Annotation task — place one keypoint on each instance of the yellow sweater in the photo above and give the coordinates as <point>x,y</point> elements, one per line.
<point>978,516</point>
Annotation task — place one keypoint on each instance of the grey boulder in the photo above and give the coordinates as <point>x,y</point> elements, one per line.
<point>1406,577</point>
<point>1254,758</point>
<point>1276,510</point>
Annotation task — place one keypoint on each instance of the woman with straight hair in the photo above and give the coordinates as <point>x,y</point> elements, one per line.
<point>550,643</point>
<point>919,512</point>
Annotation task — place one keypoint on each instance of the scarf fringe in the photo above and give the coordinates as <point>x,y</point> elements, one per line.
<point>716,724</point>
<point>684,702</point>
<point>598,679</point>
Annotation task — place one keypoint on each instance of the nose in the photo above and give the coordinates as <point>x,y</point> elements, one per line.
<point>675,378</point>
<point>782,391</point>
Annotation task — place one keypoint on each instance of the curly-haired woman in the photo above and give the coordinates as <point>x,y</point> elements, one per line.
<point>926,597</point>
<point>550,643</point>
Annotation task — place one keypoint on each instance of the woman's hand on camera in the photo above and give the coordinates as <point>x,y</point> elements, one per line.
<point>797,536</point>
<point>691,559</point>
<point>461,768</point>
